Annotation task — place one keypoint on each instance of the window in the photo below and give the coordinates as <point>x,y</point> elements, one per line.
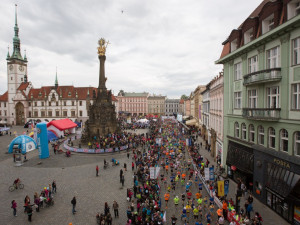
<point>233,45</point>
<point>293,9</point>
<point>236,130</point>
<point>252,64</point>
<point>49,103</point>
<point>22,79</point>
<point>273,58</point>
<point>261,135</point>
<point>248,36</point>
<point>296,51</point>
<point>56,103</point>
<point>296,96</point>
<point>4,104</point>
<point>57,113</point>
<point>29,113</point>
<point>36,113</point>
<point>35,103</point>
<point>238,71</point>
<point>73,103</point>
<point>65,103</point>
<point>65,113</point>
<point>244,131</point>
<point>42,113</point>
<point>43,103</point>
<point>73,113</point>
<point>284,140</point>
<point>273,97</point>
<point>297,143</point>
<point>251,133</point>
<point>80,103</point>
<point>11,78</point>
<point>252,98</point>
<point>80,113</point>
<point>271,137</point>
<point>50,113</point>
<point>29,103</point>
<point>268,24</point>
<point>237,100</point>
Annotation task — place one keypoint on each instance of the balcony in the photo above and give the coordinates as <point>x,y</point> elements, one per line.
<point>262,113</point>
<point>263,76</point>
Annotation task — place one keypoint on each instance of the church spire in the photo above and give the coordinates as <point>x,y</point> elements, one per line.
<point>56,81</point>
<point>8,56</point>
<point>16,40</point>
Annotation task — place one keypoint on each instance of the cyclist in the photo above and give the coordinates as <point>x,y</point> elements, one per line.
<point>16,183</point>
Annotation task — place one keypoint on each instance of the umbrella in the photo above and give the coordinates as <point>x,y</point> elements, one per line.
<point>26,144</point>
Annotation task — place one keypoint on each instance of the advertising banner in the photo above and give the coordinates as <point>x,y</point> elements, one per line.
<point>42,140</point>
<point>226,187</point>
<point>211,174</point>
<point>206,173</point>
<point>221,188</point>
<point>152,172</point>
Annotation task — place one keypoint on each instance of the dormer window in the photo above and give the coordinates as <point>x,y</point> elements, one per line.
<point>248,36</point>
<point>69,94</point>
<point>293,8</point>
<point>268,24</point>
<point>234,45</point>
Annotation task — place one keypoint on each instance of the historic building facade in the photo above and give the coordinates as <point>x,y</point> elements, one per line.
<point>172,107</point>
<point>22,102</point>
<point>156,105</point>
<point>262,105</point>
<point>216,116</point>
<point>133,103</point>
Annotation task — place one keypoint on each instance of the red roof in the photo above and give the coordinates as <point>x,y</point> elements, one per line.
<point>4,97</point>
<point>23,86</point>
<point>63,124</point>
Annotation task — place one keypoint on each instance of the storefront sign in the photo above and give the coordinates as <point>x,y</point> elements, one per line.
<point>282,163</point>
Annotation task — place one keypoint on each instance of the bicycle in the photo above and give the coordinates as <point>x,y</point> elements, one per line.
<point>13,187</point>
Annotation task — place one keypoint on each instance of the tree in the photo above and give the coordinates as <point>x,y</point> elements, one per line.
<point>184,97</point>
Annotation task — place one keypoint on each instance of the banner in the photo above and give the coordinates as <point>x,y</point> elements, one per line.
<point>152,172</point>
<point>206,173</point>
<point>42,140</point>
<point>221,188</point>
<point>211,174</point>
<point>187,142</point>
<point>226,187</point>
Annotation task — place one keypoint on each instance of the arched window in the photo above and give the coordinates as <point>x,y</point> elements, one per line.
<point>297,143</point>
<point>284,140</point>
<point>251,133</point>
<point>261,135</point>
<point>236,130</point>
<point>271,137</point>
<point>244,131</point>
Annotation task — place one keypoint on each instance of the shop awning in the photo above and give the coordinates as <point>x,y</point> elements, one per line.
<point>191,122</point>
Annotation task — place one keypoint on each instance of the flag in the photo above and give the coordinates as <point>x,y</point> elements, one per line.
<point>221,188</point>
<point>165,217</point>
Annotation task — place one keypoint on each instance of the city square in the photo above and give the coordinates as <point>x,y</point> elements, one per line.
<point>201,135</point>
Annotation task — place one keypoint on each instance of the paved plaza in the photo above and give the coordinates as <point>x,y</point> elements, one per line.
<point>76,176</point>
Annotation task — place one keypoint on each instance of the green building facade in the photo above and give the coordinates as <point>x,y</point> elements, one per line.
<point>262,105</point>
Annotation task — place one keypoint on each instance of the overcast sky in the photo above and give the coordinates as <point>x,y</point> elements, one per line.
<point>159,46</point>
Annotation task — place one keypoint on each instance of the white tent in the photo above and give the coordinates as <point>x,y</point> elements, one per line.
<point>143,121</point>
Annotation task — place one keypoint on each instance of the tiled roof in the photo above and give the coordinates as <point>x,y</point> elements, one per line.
<point>4,97</point>
<point>133,94</point>
<point>23,86</point>
<point>181,101</point>
<point>113,98</point>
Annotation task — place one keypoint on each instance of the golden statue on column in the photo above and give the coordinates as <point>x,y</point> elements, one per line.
<point>102,46</point>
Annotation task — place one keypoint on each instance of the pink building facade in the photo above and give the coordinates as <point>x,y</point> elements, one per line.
<point>135,104</point>
<point>216,113</point>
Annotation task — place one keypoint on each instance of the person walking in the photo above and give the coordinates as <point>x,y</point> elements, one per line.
<point>121,174</point>
<point>97,171</point>
<point>116,208</point>
<point>54,186</point>
<point>29,212</point>
<point>73,202</point>
<point>122,180</point>
<point>132,166</point>
<point>14,207</point>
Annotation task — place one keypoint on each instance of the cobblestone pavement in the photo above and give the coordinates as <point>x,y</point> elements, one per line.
<point>77,176</point>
